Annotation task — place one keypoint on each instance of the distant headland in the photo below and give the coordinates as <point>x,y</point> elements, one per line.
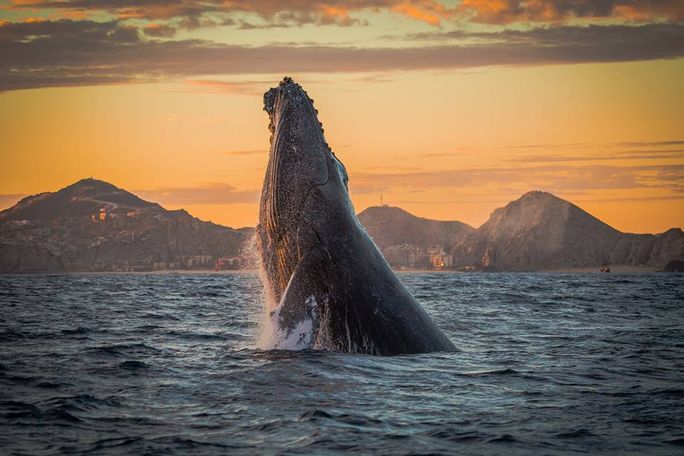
<point>92,225</point>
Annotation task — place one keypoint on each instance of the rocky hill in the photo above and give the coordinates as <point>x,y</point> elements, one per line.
<point>81,199</point>
<point>394,226</point>
<point>93,225</point>
<point>541,231</point>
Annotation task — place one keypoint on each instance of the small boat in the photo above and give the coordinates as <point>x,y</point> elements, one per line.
<point>605,268</point>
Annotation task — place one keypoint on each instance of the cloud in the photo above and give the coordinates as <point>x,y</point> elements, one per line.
<point>272,12</point>
<point>430,12</point>
<point>503,196</point>
<point>248,152</point>
<point>630,199</point>
<point>587,152</point>
<point>509,11</point>
<point>613,156</point>
<point>227,87</point>
<point>159,30</point>
<point>677,142</point>
<point>70,53</point>
<point>555,178</point>
<point>566,37</point>
<point>342,12</point>
<point>213,193</point>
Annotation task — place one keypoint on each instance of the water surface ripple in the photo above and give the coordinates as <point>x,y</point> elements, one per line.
<point>167,364</point>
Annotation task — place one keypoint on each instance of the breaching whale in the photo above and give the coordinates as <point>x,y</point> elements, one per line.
<point>331,287</point>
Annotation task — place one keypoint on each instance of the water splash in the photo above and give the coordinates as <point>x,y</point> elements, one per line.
<point>302,336</point>
<point>264,339</point>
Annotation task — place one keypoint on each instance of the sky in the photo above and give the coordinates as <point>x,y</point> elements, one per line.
<point>448,109</point>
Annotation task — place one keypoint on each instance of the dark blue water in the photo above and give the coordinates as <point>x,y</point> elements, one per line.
<point>167,364</point>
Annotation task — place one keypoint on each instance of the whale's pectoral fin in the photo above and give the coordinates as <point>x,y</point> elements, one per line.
<point>298,314</point>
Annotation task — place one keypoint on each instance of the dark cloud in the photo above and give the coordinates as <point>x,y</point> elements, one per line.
<point>159,30</point>
<point>272,12</point>
<point>68,53</point>
<point>340,12</point>
<point>509,11</point>
<point>606,38</point>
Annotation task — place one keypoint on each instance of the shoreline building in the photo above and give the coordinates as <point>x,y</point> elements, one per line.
<point>411,256</point>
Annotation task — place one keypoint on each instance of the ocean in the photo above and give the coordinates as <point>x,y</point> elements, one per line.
<point>547,363</point>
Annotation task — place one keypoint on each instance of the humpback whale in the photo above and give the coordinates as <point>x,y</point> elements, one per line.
<point>330,287</point>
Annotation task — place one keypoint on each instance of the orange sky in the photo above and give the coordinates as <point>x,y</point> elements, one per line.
<point>447,109</point>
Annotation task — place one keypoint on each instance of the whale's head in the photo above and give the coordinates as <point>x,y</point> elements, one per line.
<point>300,164</point>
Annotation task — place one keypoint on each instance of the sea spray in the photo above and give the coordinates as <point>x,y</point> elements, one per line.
<point>271,335</point>
<point>265,336</point>
<point>302,336</point>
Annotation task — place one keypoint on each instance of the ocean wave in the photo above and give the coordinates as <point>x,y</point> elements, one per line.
<point>169,364</point>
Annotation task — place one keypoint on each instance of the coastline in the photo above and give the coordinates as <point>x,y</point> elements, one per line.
<point>619,269</point>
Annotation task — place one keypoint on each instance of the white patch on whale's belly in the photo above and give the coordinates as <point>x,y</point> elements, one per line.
<point>302,336</point>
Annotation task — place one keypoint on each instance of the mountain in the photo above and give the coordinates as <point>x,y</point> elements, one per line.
<point>93,225</point>
<point>540,231</point>
<point>83,198</point>
<point>390,226</point>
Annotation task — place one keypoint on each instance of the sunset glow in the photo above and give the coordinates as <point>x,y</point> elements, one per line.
<point>447,109</point>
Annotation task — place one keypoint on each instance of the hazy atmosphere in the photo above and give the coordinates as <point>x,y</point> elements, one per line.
<point>447,109</point>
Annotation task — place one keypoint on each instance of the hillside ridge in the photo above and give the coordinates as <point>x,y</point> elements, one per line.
<point>93,225</point>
